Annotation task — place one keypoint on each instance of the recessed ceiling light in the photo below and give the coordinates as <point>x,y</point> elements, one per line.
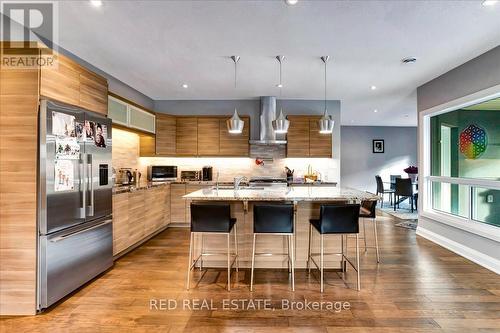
<point>279,85</point>
<point>375,110</point>
<point>409,60</point>
<point>185,86</point>
<point>373,87</point>
<point>96,3</point>
<point>488,3</point>
<point>291,2</point>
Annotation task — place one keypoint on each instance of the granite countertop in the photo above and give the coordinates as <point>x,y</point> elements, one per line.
<point>292,193</point>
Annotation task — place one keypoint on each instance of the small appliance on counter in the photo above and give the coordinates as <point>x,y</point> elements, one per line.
<point>190,175</point>
<point>125,176</point>
<point>162,173</point>
<point>207,173</point>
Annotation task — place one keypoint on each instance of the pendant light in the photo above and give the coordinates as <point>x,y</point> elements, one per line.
<point>281,124</point>
<point>235,124</point>
<point>326,122</point>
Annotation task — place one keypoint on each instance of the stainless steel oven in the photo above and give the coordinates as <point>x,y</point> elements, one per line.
<point>161,173</point>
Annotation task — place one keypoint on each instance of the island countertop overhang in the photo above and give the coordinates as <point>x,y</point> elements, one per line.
<point>295,194</point>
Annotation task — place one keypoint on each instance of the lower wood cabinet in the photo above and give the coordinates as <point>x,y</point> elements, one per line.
<point>177,203</point>
<point>138,214</point>
<point>180,211</point>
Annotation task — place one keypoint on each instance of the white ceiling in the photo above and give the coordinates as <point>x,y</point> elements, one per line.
<point>156,46</point>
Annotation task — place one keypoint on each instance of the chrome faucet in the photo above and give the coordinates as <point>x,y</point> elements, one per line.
<point>237,182</point>
<point>217,182</point>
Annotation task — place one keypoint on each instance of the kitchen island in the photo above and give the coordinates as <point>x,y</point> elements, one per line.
<point>306,201</point>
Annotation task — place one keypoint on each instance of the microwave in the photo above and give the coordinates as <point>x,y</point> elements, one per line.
<point>162,173</point>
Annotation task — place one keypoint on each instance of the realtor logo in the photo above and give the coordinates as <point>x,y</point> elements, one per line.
<point>24,23</point>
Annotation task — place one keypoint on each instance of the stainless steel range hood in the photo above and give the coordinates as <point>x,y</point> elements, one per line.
<point>267,136</point>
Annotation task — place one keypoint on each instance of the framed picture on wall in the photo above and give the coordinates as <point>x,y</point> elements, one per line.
<point>378,146</point>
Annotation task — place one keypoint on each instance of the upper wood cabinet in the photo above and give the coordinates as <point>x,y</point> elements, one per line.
<point>208,136</point>
<point>298,137</point>
<point>186,136</point>
<point>61,82</point>
<point>234,144</point>
<point>93,92</point>
<point>68,82</point>
<point>320,145</point>
<point>195,136</point>
<point>304,139</point>
<point>165,135</point>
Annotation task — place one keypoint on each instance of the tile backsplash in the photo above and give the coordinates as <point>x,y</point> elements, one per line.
<point>126,155</point>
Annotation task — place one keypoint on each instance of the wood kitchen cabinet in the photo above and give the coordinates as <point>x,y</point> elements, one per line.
<point>177,203</point>
<point>186,136</point>
<point>298,137</point>
<point>234,144</point>
<point>208,136</point>
<point>61,82</point>
<point>304,139</point>
<point>320,145</point>
<point>165,144</point>
<point>68,82</point>
<point>138,215</point>
<point>93,92</point>
<point>189,189</point>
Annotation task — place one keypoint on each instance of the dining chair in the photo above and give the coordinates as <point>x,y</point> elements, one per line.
<point>382,190</point>
<point>404,189</point>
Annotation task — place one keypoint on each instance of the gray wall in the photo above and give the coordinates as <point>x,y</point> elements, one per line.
<point>478,74</point>
<point>359,164</point>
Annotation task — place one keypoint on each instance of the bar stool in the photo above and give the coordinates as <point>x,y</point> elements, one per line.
<point>212,219</point>
<point>340,220</point>
<point>274,219</point>
<point>367,211</point>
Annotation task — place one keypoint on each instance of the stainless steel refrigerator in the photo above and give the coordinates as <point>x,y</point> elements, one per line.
<point>75,235</point>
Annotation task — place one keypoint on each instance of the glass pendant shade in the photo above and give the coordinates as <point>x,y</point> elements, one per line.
<point>281,124</point>
<point>235,124</point>
<point>326,124</point>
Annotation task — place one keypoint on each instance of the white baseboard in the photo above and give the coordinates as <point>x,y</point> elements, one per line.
<point>479,258</point>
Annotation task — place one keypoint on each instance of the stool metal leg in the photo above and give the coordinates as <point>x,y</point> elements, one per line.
<point>364,232</point>
<point>292,261</point>
<point>287,239</point>
<point>357,261</point>
<point>309,251</point>
<point>321,261</point>
<point>253,263</point>
<point>376,238</point>
<point>237,259</point>
<point>190,260</point>
<point>201,252</point>
<point>342,257</point>
<point>228,262</point>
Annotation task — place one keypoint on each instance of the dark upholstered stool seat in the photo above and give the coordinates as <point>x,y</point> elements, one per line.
<point>335,219</point>
<point>272,218</point>
<point>340,220</point>
<point>211,218</point>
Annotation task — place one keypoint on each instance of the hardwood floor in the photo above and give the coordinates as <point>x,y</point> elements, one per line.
<point>417,287</point>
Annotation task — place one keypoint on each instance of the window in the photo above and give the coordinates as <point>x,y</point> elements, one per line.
<point>464,176</point>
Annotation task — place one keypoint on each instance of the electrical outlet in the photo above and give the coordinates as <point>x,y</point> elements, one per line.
<point>489,198</point>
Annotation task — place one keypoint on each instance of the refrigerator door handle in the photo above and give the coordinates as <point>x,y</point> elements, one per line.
<point>91,180</point>
<point>60,238</point>
<point>83,213</point>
